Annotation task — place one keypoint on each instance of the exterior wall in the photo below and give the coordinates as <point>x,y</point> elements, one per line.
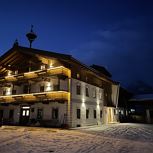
<point>47,111</point>
<point>110,115</point>
<point>115,94</point>
<point>83,102</point>
<point>6,110</point>
<point>35,87</point>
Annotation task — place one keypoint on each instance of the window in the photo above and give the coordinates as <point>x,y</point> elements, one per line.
<point>95,115</point>
<point>26,88</point>
<point>39,114</point>
<point>100,94</point>
<point>94,93</point>
<point>87,91</point>
<point>13,92</point>
<point>78,89</point>
<point>87,113</point>
<point>101,113</point>
<point>78,76</point>
<point>11,113</point>
<point>55,113</point>
<point>42,88</point>
<point>78,113</point>
<point>4,92</point>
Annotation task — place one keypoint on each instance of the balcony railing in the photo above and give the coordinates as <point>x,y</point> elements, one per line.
<point>34,97</point>
<point>60,70</point>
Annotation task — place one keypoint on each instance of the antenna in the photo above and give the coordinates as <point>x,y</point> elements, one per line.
<point>31,36</point>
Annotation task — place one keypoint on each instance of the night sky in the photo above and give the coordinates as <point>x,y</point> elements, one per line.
<point>112,33</point>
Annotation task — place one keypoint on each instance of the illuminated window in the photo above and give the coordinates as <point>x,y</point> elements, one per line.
<point>55,113</point>
<point>16,72</point>
<point>87,91</point>
<point>87,113</point>
<point>78,89</point>
<point>78,76</point>
<point>95,114</point>
<point>42,67</point>
<point>78,113</point>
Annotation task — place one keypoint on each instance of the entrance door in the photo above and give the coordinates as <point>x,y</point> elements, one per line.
<point>24,115</point>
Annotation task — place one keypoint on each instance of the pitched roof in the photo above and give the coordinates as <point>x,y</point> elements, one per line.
<point>101,69</point>
<point>32,51</point>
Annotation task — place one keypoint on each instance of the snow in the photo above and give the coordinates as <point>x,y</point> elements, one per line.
<point>114,138</point>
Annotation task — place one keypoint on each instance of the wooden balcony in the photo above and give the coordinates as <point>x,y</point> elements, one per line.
<point>35,97</point>
<point>60,70</point>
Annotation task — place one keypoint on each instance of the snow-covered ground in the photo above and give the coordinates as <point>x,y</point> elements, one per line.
<point>115,138</point>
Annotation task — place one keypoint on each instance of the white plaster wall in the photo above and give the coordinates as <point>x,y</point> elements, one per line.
<point>114,96</point>
<point>47,110</point>
<point>83,102</point>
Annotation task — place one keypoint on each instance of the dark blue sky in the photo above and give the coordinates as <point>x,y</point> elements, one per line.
<point>115,34</point>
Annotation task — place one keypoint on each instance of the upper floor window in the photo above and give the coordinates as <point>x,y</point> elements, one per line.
<point>100,94</point>
<point>78,76</point>
<point>95,114</point>
<point>94,93</point>
<point>78,89</point>
<point>87,91</point>
<point>42,88</point>
<point>42,67</point>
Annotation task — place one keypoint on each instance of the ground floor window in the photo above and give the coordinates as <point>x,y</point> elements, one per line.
<point>78,113</point>
<point>11,113</point>
<point>87,113</point>
<point>1,114</point>
<point>39,114</point>
<point>95,115</point>
<point>101,113</point>
<point>55,113</point>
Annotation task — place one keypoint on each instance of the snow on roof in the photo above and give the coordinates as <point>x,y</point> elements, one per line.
<point>142,97</point>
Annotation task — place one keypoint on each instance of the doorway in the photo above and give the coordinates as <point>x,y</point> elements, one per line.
<point>24,115</point>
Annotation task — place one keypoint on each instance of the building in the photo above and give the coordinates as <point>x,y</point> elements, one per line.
<point>51,89</point>
<point>141,108</point>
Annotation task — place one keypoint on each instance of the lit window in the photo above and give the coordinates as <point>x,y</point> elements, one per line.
<point>78,113</point>
<point>78,76</point>
<point>87,91</point>
<point>78,89</point>
<point>42,67</point>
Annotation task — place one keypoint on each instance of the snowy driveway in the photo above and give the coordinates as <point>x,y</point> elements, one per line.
<point>117,138</point>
